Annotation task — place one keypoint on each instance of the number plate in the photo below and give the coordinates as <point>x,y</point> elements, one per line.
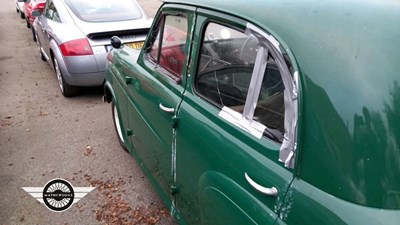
<point>135,45</point>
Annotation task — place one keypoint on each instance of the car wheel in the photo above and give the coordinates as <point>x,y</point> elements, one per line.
<point>28,25</point>
<point>117,125</point>
<point>17,9</point>
<point>33,34</point>
<point>66,89</point>
<point>22,15</point>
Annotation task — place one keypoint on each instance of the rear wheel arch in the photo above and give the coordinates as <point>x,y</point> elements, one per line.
<point>53,50</point>
<point>118,125</point>
<point>108,94</point>
<point>66,89</point>
<point>109,97</point>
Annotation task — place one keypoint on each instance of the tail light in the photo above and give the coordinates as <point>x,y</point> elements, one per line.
<point>76,48</point>
<point>39,6</point>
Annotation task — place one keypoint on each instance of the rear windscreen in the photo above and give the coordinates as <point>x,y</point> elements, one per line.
<point>105,10</point>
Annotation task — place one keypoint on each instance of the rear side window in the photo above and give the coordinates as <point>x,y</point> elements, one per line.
<point>105,10</point>
<point>168,48</point>
<point>51,12</point>
<point>225,71</point>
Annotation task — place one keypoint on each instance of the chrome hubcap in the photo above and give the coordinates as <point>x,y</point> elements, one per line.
<point>59,78</point>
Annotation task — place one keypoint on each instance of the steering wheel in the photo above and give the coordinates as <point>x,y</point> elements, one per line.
<point>247,51</point>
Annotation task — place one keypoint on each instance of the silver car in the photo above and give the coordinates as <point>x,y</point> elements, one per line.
<point>73,36</point>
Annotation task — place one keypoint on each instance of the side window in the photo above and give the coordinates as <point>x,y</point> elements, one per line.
<point>225,67</point>
<point>270,109</point>
<point>48,12</point>
<point>225,70</point>
<point>51,12</point>
<point>168,49</point>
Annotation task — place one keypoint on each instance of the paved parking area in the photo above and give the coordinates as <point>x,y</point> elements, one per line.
<point>151,6</point>
<point>45,136</point>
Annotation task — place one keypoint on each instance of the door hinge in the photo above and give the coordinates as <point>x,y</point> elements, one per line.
<point>174,189</point>
<point>128,80</point>
<point>175,121</point>
<point>129,132</point>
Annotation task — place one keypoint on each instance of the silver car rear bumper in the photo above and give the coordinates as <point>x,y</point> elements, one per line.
<point>84,79</point>
<point>81,71</point>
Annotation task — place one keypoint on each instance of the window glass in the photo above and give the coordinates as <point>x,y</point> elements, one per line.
<point>105,10</point>
<point>225,69</point>
<point>52,13</point>
<point>155,47</point>
<point>270,109</point>
<point>226,65</point>
<point>48,10</point>
<point>172,55</point>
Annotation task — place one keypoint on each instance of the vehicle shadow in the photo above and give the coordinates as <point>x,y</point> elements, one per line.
<point>90,92</point>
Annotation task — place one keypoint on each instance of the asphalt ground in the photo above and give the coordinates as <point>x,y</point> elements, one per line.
<point>45,136</point>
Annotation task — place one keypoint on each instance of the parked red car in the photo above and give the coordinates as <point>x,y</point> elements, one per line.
<point>31,5</point>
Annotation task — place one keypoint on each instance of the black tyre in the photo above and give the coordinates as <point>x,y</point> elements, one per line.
<point>117,126</point>
<point>28,25</point>
<point>22,15</point>
<point>33,34</point>
<point>66,89</point>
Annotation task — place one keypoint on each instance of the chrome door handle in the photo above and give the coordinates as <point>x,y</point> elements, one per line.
<point>166,109</point>
<point>267,191</point>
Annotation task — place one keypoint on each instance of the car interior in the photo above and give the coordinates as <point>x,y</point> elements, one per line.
<point>224,78</point>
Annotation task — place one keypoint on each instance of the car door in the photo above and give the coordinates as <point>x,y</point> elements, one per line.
<point>41,29</point>
<point>155,90</point>
<point>231,127</point>
<point>50,18</point>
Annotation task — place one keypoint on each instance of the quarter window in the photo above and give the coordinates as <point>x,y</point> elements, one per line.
<point>168,49</point>
<point>51,12</point>
<point>225,70</point>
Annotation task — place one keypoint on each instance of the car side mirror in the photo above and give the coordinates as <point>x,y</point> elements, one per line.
<point>116,42</point>
<point>36,13</point>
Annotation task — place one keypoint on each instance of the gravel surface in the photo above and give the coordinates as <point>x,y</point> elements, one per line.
<point>45,136</point>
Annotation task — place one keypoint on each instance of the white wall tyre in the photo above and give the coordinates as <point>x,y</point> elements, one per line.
<point>117,125</point>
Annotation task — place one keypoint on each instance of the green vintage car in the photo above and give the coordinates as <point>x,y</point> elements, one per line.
<point>265,112</point>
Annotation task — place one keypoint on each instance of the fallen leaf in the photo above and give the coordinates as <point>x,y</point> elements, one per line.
<point>88,150</point>
<point>43,113</point>
<point>6,121</point>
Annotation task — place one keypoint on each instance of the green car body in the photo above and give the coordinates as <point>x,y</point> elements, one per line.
<point>333,158</point>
